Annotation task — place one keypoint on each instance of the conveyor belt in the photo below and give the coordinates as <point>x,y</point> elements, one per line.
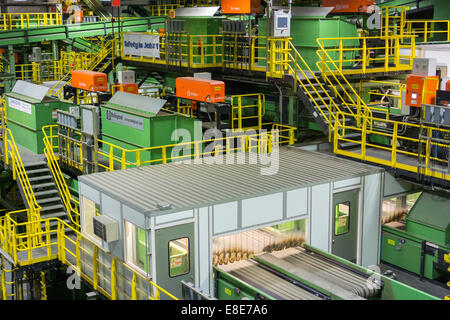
<point>322,272</point>
<point>252,273</point>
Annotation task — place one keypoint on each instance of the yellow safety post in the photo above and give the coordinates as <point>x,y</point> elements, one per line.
<point>113,280</point>
<point>95,267</point>
<point>4,295</point>
<point>133,287</point>
<point>394,145</point>
<point>43,286</point>
<point>78,251</point>
<point>47,238</point>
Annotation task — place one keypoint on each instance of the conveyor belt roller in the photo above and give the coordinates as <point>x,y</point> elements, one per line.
<point>323,272</point>
<point>259,277</point>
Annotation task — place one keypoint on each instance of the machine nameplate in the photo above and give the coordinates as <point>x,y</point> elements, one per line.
<point>20,105</point>
<point>125,119</point>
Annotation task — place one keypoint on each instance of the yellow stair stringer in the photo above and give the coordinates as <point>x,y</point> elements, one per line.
<point>11,157</point>
<point>69,202</point>
<point>292,64</point>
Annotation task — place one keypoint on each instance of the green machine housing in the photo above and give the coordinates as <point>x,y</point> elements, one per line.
<point>132,122</point>
<point>420,244</point>
<point>305,30</point>
<point>29,109</point>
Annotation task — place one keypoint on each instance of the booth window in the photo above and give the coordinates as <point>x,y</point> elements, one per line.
<point>342,218</point>
<point>178,257</point>
<point>89,210</point>
<point>135,246</point>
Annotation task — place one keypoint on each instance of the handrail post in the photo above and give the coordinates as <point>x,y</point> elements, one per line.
<point>133,287</point>
<point>113,279</point>
<point>394,145</point>
<point>95,267</point>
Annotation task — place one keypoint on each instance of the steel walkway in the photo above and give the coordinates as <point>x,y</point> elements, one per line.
<point>71,31</point>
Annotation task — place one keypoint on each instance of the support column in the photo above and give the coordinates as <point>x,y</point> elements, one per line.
<point>55,50</point>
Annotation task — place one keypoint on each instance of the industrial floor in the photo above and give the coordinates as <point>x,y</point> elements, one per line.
<point>410,279</point>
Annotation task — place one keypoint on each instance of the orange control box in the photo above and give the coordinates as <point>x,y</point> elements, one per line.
<point>414,90</point>
<point>348,6</point>
<point>89,80</point>
<point>447,86</point>
<point>200,89</point>
<point>129,87</point>
<point>241,6</point>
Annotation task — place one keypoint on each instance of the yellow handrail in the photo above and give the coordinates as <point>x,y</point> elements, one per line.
<point>73,249</point>
<point>391,58</point>
<point>395,137</point>
<point>342,87</point>
<point>53,164</point>
<point>122,158</point>
<point>10,21</point>
<point>260,107</point>
<point>92,60</point>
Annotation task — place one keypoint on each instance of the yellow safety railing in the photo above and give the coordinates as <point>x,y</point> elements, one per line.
<point>350,57</point>
<point>429,30</point>
<point>112,157</point>
<point>395,87</point>
<point>84,61</point>
<point>77,251</point>
<point>393,155</point>
<point>50,138</point>
<point>207,51</point>
<point>285,59</point>
<point>240,113</point>
<point>3,282</point>
<point>162,9</point>
<point>394,22</point>
<point>12,157</point>
<point>10,21</point>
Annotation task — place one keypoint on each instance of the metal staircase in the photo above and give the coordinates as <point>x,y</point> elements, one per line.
<point>46,192</point>
<point>326,96</point>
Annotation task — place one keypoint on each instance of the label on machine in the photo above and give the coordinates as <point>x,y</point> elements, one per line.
<point>141,45</point>
<point>125,119</point>
<point>19,105</point>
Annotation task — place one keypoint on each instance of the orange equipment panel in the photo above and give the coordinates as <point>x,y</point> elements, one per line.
<point>241,6</point>
<point>414,90</point>
<point>447,86</point>
<point>129,87</point>
<point>200,89</point>
<point>429,91</point>
<point>348,6</point>
<point>89,80</point>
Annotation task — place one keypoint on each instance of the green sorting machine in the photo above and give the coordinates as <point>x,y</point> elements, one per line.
<point>420,244</point>
<point>308,26</point>
<point>28,109</point>
<point>132,121</point>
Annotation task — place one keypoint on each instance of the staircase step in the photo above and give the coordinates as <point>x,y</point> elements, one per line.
<point>39,178</point>
<point>54,207</point>
<point>42,185</point>
<point>352,135</point>
<point>47,200</point>
<point>46,192</point>
<point>34,171</point>
<point>54,215</point>
<point>347,145</point>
